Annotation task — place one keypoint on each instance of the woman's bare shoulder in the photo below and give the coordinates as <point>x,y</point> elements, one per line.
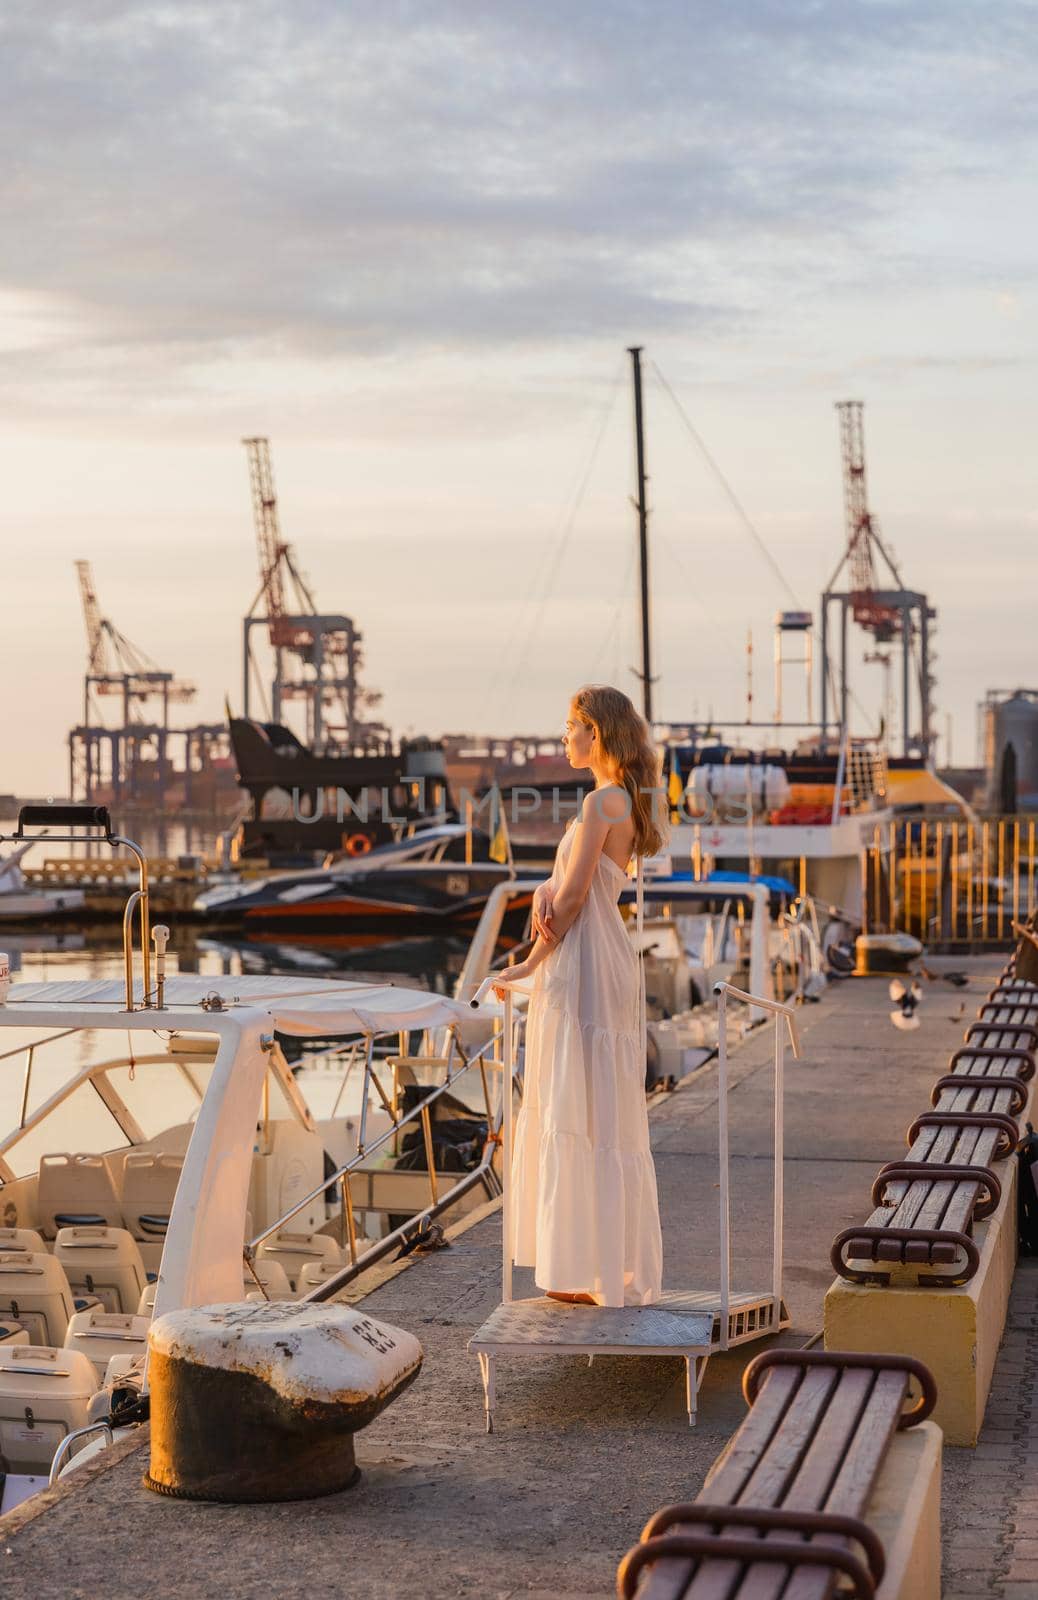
<point>611,803</point>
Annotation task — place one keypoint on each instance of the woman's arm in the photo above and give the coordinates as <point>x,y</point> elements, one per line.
<point>600,810</point>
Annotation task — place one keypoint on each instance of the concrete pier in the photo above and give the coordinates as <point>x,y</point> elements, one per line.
<point>582,1455</point>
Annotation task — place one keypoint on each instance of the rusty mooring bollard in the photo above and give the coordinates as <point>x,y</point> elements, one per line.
<point>261,1402</point>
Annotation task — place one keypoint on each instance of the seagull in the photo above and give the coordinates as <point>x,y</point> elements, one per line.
<point>906,999</point>
<point>958,980</point>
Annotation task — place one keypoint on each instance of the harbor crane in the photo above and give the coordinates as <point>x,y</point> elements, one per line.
<point>882,621</point>
<point>115,666</point>
<point>888,614</point>
<point>129,759</point>
<point>317,657</point>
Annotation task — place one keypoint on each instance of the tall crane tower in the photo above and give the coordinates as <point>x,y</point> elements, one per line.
<point>888,614</point>
<point>863,538</point>
<point>317,657</point>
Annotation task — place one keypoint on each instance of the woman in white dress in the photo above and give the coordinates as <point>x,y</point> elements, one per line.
<point>585,1210</point>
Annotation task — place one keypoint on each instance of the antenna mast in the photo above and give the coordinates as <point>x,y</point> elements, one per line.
<point>635,353</point>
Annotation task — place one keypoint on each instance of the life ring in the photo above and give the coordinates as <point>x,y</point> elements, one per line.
<point>358,844</point>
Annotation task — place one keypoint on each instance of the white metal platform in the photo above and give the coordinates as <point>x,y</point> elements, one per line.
<point>686,1323</point>
<point>691,1323</point>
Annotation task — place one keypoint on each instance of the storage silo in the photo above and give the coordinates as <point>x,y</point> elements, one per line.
<point>1011,749</point>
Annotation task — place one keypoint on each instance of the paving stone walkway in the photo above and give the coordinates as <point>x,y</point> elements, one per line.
<point>990,1498</point>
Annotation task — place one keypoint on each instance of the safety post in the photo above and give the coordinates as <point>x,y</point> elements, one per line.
<point>508,1069</point>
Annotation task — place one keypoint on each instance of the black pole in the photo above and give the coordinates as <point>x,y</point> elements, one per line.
<point>635,353</point>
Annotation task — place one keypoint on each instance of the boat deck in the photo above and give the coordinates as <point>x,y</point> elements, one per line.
<point>581,1455</point>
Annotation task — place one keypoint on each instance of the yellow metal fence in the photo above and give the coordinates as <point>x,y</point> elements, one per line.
<point>950,881</point>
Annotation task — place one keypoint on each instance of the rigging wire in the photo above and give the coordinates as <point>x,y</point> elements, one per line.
<point>562,539</point>
<point>736,504</point>
<point>749,526</point>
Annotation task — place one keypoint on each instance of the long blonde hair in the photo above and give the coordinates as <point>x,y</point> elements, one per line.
<point>627,743</point>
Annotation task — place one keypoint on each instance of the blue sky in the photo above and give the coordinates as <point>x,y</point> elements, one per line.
<point>411,241</point>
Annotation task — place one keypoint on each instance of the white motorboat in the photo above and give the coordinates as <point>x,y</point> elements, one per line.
<point>165,1155</point>
<point>21,904</point>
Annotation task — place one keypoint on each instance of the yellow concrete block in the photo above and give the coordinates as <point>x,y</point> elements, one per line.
<point>905,1511</point>
<point>955,1331</point>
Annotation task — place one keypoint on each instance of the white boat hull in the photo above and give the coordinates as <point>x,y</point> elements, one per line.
<point>19,907</point>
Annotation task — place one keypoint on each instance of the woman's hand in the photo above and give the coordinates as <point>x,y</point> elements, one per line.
<point>515,974</point>
<point>541,914</point>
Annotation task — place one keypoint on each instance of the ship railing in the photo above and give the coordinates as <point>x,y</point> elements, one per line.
<point>861,776</point>
<point>63,1454</point>
<point>483,1174</point>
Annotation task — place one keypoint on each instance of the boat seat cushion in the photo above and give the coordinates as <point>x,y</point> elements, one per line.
<point>76,1191</point>
<point>100,1334</point>
<point>294,1251</point>
<point>22,1239</point>
<point>104,1262</point>
<point>149,1187</point>
<point>35,1292</point>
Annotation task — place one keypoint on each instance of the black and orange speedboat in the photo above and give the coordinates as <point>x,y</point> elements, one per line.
<point>413,885</point>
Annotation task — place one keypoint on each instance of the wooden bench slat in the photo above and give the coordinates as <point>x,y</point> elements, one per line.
<point>813,1485</point>
<point>824,1456</point>
<point>768,1482</point>
<point>919,1205</point>
<point>857,1475</point>
<point>931,1204</point>
<point>668,1577</point>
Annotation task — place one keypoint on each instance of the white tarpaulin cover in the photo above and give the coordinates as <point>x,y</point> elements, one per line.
<point>300,1006</point>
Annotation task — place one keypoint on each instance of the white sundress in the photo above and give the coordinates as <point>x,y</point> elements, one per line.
<point>585,1212</point>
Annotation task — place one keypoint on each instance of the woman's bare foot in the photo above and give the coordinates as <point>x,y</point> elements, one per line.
<point>571,1299</point>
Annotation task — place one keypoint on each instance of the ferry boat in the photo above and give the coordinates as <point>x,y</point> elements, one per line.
<point>807,815</point>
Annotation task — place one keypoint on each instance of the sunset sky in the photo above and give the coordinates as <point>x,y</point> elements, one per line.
<point>410,243</point>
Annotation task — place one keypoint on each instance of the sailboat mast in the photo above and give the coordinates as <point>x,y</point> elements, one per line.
<point>635,353</point>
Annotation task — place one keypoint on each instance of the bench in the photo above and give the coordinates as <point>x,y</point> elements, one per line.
<point>927,1203</point>
<point>923,1233</point>
<point>820,1481</point>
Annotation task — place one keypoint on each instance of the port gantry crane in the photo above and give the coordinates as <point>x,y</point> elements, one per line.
<point>131,761</point>
<point>317,657</point>
<point>115,666</point>
<point>889,614</point>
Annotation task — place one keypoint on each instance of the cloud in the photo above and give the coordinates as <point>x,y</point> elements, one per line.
<point>194,186</point>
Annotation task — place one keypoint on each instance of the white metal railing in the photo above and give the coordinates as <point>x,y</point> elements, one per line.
<point>471,986</point>
<point>419,1116</point>
<point>62,1453</point>
<point>724,993</point>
